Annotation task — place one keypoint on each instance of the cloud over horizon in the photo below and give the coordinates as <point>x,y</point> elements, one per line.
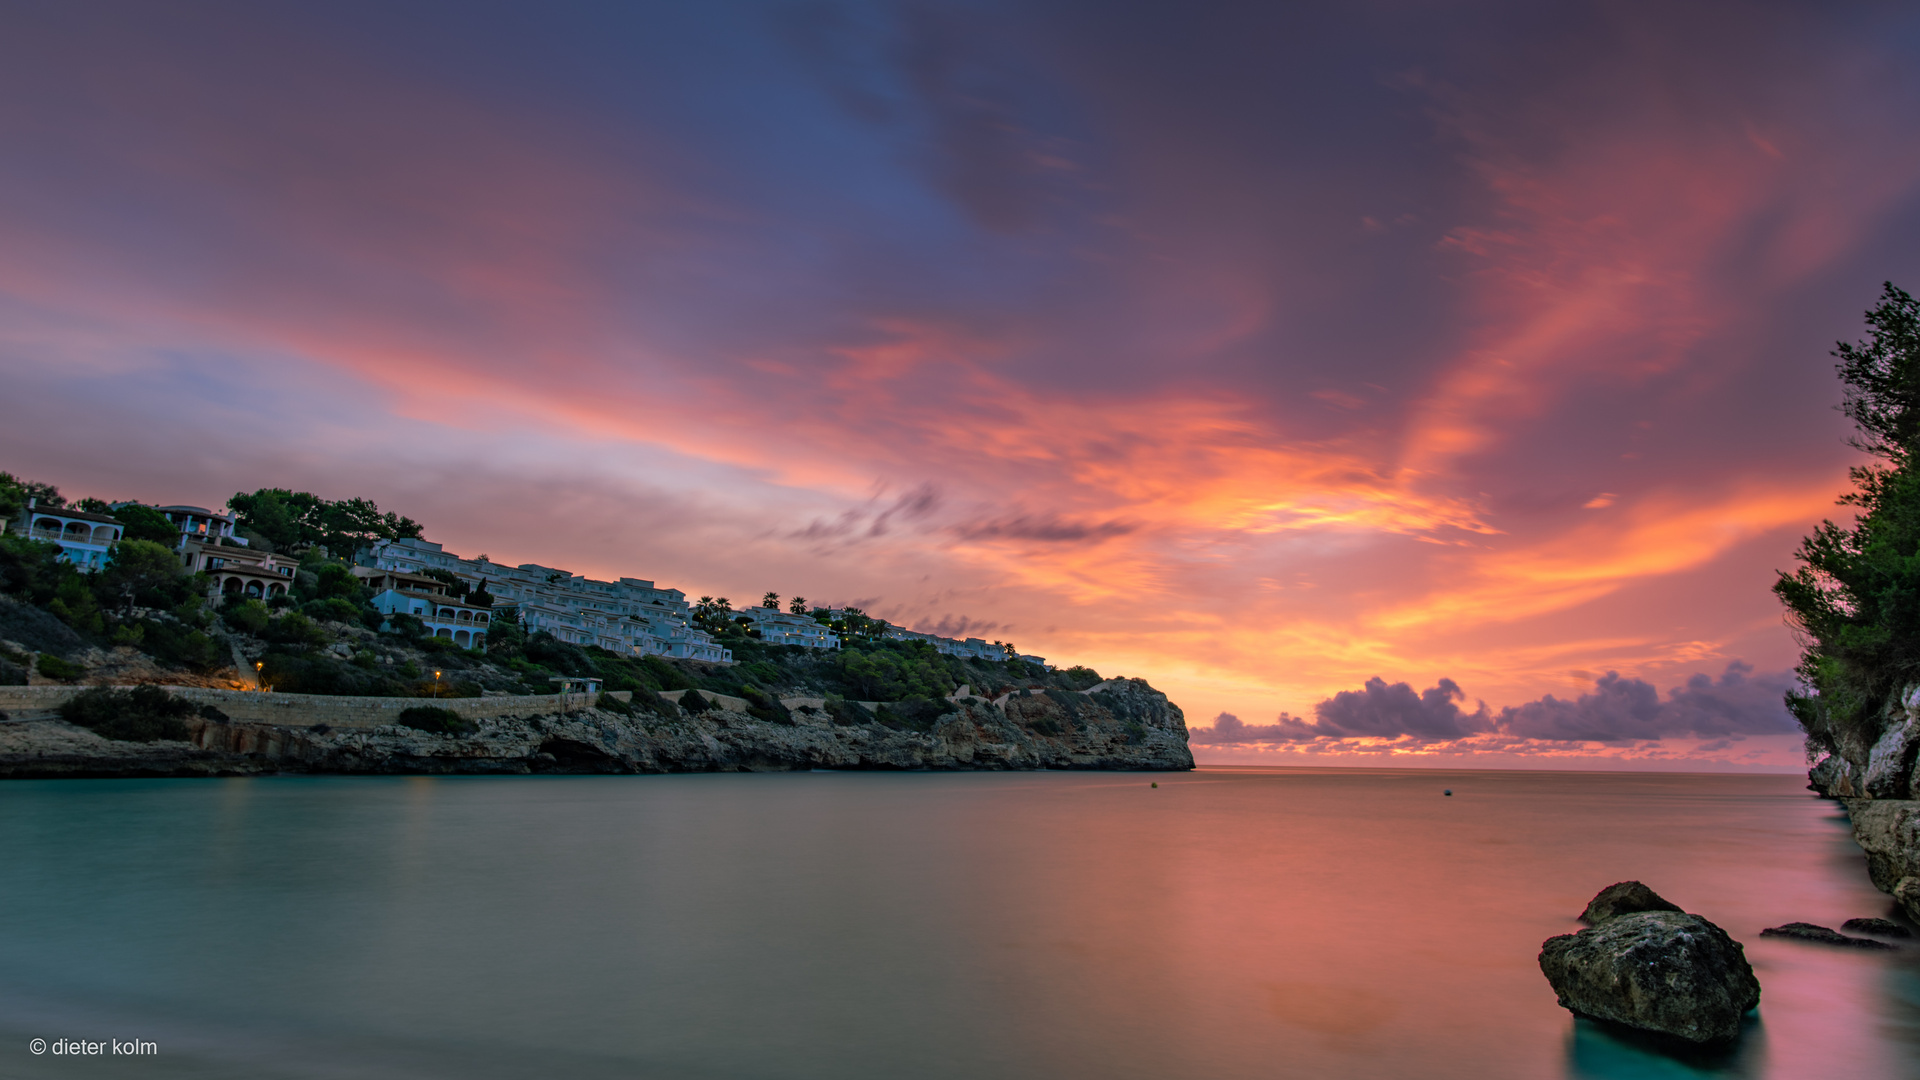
<point>1617,710</point>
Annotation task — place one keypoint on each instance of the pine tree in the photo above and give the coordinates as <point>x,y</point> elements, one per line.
<point>1855,600</point>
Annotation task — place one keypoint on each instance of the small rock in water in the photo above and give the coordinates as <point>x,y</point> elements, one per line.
<point>1883,927</point>
<point>1657,970</point>
<point>1447,791</point>
<point>1806,931</point>
<point>1624,898</point>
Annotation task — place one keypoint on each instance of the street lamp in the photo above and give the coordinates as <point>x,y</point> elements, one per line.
<point>259,683</point>
<point>436,684</point>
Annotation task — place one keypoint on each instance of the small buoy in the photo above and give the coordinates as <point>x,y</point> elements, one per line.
<point>1448,791</point>
<point>1156,783</point>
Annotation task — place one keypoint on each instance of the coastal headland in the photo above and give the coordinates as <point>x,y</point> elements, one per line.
<point>1118,724</point>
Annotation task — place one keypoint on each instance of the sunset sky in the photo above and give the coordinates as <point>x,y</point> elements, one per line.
<point>1259,350</point>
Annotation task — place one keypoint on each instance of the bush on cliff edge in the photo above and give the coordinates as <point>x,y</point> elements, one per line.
<point>142,714</point>
<point>437,721</point>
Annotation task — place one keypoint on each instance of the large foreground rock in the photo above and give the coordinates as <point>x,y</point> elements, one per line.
<point>1662,971</point>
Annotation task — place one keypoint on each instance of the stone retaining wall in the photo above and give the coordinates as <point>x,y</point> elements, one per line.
<point>308,710</point>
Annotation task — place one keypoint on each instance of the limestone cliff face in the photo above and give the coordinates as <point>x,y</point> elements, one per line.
<point>1124,725</point>
<point>1877,785</point>
<point>1889,831</point>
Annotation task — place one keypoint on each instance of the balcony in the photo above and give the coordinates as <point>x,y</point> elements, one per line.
<point>59,537</point>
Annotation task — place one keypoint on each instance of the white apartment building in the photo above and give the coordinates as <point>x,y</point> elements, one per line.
<point>785,628</point>
<point>972,648</point>
<point>631,615</point>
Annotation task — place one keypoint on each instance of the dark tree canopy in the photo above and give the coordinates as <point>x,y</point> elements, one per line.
<point>1855,600</point>
<point>293,520</point>
<point>146,523</point>
<point>14,493</point>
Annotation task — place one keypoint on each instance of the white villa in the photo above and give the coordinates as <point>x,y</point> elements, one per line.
<point>427,599</point>
<point>238,571</point>
<point>84,538</point>
<point>200,523</point>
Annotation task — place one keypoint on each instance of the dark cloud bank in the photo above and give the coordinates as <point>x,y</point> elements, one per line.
<point>1735,705</point>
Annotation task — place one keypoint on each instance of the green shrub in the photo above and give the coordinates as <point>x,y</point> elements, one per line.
<point>544,648</point>
<point>847,713</point>
<point>1079,678</point>
<point>55,668</point>
<point>146,523</point>
<point>505,637</point>
<point>181,645</point>
<point>438,721</point>
<point>74,605</point>
<point>296,629</point>
<point>143,714</point>
<point>332,609</point>
<point>248,616</point>
<point>613,705</point>
<point>298,672</point>
<point>665,675</point>
<point>337,582</point>
<point>32,569</point>
<point>764,706</point>
<point>760,671</point>
<point>694,703</point>
<point>1070,703</point>
<point>914,713</point>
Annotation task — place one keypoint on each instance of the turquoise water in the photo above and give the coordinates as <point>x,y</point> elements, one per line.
<point>1230,923</point>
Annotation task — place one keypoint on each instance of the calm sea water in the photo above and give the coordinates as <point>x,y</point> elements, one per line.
<point>1230,923</point>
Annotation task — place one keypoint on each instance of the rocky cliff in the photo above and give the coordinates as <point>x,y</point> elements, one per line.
<point>1881,790</point>
<point>1124,724</point>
